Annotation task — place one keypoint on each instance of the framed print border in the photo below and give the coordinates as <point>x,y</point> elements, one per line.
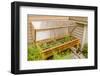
<point>15,37</point>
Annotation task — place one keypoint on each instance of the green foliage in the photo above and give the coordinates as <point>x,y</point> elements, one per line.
<point>67,38</point>
<point>44,46</point>
<point>62,55</point>
<point>55,42</point>
<point>56,56</point>
<point>47,45</point>
<point>61,40</point>
<point>33,53</point>
<point>85,50</point>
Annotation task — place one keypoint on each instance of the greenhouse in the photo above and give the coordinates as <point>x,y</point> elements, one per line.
<point>57,37</point>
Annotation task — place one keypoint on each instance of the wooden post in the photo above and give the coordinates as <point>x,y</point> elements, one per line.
<point>84,36</point>
<point>32,30</point>
<point>34,36</point>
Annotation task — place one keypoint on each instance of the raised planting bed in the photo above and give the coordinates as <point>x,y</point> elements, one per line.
<point>48,47</point>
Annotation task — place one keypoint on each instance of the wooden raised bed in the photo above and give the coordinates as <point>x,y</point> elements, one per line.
<point>58,48</point>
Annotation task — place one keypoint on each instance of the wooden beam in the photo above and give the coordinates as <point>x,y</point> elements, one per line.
<point>82,23</point>
<point>50,28</point>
